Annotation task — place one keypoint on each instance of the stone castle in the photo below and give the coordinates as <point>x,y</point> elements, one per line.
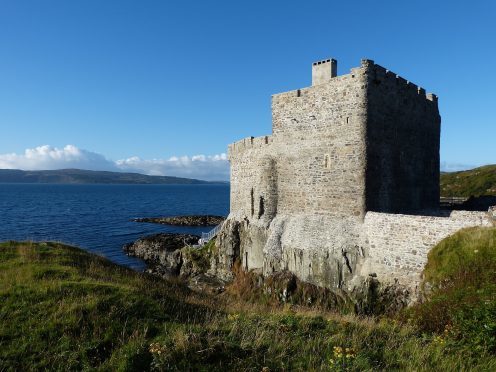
<point>347,185</point>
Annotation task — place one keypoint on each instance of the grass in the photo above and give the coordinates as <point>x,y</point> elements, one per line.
<point>64,309</point>
<point>461,280</point>
<point>475,182</point>
<point>199,258</point>
<point>469,255</point>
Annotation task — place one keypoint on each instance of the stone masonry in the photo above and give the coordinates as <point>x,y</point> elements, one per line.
<point>346,186</point>
<point>398,244</point>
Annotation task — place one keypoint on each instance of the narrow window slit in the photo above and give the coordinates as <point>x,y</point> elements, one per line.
<point>261,207</point>
<point>252,203</point>
<point>327,161</point>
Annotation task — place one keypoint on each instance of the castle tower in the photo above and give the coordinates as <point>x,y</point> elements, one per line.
<point>364,141</point>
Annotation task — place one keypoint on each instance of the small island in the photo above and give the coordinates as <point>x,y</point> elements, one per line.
<point>197,220</point>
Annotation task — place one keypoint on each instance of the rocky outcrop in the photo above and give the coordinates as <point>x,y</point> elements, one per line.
<point>317,251</point>
<point>201,220</point>
<point>172,255</point>
<point>320,250</point>
<point>228,239</point>
<point>162,252</point>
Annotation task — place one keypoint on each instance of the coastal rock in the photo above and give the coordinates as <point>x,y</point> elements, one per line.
<point>162,251</point>
<point>171,255</point>
<point>199,220</point>
<point>228,240</point>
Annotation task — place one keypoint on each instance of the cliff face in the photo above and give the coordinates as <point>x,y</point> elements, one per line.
<point>362,259</point>
<point>320,250</point>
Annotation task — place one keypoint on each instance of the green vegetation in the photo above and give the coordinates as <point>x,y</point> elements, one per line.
<point>199,258</point>
<point>62,308</point>
<point>474,182</point>
<point>461,278</point>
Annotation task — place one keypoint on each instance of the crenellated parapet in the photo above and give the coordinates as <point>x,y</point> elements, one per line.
<point>325,79</point>
<point>381,75</point>
<point>237,148</point>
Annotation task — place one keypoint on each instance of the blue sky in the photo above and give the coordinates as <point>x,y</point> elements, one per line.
<point>152,84</point>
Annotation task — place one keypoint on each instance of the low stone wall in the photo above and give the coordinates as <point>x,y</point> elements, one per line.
<point>397,245</point>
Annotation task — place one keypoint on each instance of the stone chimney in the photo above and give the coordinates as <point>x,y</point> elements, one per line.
<point>323,71</point>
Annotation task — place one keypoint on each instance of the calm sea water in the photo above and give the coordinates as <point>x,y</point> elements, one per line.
<point>97,217</point>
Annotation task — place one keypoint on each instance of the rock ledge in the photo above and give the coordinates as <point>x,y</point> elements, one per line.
<point>203,220</point>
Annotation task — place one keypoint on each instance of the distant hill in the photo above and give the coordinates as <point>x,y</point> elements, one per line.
<point>474,182</point>
<point>80,176</point>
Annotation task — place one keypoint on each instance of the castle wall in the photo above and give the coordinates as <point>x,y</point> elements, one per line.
<point>397,245</point>
<point>252,176</point>
<point>319,144</point>
<point>403,131</point>
<point>315,160</point>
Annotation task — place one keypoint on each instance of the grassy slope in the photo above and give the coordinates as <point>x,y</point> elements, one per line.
<point>461,275</point>
<point>474,182</point>
<point>62,308</point>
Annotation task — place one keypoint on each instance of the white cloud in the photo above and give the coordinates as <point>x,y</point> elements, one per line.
<point>206,167</point>
<point>48,157</point>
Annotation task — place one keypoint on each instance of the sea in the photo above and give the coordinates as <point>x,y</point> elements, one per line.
<point>98,218</point>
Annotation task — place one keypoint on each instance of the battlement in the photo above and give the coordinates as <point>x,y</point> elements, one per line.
<point>302,92</point>
<point>325,72</point>
<point>248,143</point>
<point>382,75</point>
